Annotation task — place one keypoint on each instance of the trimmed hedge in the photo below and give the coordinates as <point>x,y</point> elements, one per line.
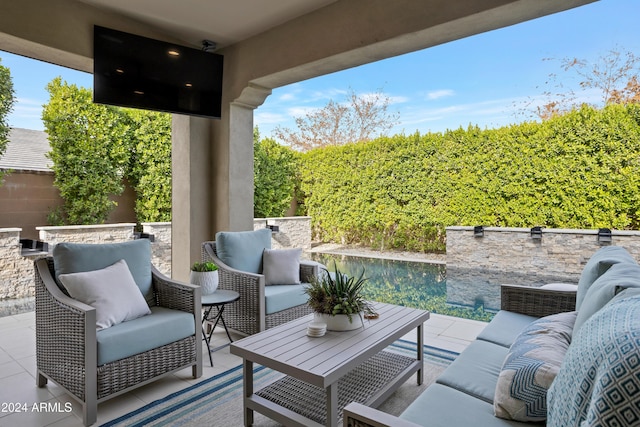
<point>579,170</point>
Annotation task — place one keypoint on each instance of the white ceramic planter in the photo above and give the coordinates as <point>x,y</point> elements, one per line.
<point>207,280</point>
<point>340,322</point>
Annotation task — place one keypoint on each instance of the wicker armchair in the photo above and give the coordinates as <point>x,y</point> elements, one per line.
<point>248,314</point>
<point>66,347</point>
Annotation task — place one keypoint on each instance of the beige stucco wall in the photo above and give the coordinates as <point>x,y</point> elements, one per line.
<point>27,197</point>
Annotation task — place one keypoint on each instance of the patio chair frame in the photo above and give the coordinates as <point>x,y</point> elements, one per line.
<point>248,314</point>
<point>66,348</point>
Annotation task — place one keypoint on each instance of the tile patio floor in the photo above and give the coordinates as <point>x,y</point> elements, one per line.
<point>18,366</point>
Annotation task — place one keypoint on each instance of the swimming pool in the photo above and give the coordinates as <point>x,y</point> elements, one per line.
<point>407,283</point>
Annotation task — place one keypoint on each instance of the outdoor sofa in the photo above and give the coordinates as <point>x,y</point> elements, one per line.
<point>551,356</point>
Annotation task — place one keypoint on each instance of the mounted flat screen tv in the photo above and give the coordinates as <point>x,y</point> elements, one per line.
<point>138,72</point>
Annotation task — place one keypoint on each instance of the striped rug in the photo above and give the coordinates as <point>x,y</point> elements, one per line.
<point>217,401</point>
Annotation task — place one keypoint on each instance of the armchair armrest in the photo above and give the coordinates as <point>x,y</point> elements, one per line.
<point>358,415</point>
<point>66,349</point>
<point>309,269</point>
<point>176,295</point>
<point>535,301</point>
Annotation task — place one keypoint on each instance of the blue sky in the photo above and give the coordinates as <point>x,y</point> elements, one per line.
<point>483,80</point>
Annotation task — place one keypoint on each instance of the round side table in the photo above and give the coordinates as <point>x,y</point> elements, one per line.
<point>218,299</point>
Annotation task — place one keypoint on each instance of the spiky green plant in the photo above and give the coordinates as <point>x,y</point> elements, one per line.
<point>204,266</point>
<point>338,294</point>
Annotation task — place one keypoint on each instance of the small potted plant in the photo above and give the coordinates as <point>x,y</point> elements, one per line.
<point>337,298</point>
<point>205,275</point>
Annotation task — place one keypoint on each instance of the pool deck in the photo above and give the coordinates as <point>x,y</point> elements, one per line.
<point>18,368</point>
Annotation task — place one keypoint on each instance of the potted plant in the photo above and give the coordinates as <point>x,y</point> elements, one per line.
<point>205,275</point>
<point>336,298</point>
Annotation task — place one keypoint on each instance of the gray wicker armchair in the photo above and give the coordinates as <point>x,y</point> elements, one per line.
<point>66,347</point>
<point>248,314</point>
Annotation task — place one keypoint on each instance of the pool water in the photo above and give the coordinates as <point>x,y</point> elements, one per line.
<point>407,283</point>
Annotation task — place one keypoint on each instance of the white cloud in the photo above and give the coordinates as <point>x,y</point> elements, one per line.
<point>442,93</point>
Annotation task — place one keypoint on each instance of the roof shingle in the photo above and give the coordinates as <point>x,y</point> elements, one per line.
<point>26,151</point>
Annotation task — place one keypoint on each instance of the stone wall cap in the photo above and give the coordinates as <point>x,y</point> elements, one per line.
<point>10,230</point>
<point>156,223</point>
<point>80,227</point>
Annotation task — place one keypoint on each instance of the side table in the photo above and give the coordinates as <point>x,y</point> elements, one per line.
<point>218,299</point>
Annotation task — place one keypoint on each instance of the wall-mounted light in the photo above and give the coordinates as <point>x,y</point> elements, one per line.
<point>478,231</point>
<point>536,233</point>
<point>604,235</point>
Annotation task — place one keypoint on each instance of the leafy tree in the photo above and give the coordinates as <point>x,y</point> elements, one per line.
<point>359,118</point>
<point>614,76</point>
<point>7,100</point>
<point>150,172</point>
<point>274,169</point>
<point>89,149</point>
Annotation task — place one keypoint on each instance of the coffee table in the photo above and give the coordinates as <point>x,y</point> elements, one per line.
<point>324,374</point>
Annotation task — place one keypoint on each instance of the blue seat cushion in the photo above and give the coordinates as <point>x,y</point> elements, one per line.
<point>476,370</point>
<point>163,326</point>
<point>505,327</point>
<point>80,257</point>
<point>442,406</point>
<point>242,250</point>
<point>282,297</point>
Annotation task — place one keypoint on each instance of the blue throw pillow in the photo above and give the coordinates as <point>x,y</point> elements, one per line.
<point>597,265</point>
<point>617,277</point>
<point>242,250</point>
<point>80,257</point>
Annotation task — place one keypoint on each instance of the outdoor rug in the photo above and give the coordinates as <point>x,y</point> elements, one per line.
<point>217,401</point>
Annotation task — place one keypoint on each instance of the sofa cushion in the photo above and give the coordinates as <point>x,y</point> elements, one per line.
<point>597,265</point>
<point>79,257</point>
<point>282,297</point>
<point>442,406</point>
<point>505,327</point>
<point>242,250</point>
<point>163,326</point>
<point>476,370</point>
<point>531,366</point>
<point>598,383</point>
<point>617,277</point>
<point>111,291</point>
<point>281,266</point>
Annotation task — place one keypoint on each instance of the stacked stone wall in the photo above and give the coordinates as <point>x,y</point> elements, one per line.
<point>477,265</point>
<point>16,271</point>
<point>293,232</point>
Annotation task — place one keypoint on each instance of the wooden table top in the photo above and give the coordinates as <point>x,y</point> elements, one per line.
<point>323,360</point>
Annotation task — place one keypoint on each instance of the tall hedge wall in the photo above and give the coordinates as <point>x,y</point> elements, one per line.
<point>579,170</point>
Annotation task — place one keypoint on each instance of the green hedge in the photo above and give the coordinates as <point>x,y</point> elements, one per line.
<point>580,170</point>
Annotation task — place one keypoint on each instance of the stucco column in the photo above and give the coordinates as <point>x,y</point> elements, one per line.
<point>191,191</point>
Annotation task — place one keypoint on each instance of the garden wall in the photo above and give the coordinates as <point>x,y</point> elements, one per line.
<point>477,265</point>
<point>16,268</point>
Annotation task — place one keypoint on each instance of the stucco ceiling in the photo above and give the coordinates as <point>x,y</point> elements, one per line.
<point>223,21</point>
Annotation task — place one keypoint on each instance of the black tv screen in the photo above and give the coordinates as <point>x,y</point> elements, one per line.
<point>138,72</point>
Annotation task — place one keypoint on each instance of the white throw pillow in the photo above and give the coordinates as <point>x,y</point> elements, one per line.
<point>281,266</point>
<point>112,291</point>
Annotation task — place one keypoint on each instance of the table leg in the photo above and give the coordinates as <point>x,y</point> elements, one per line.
<point>420,372</point>
<point>204,334</point>
<point>247,385</point>
<point>332,405</point>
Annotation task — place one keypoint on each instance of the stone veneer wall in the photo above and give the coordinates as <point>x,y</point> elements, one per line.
<point>477,265</point>
<point>160,245</point>
<point>16,271</point>
<point>294,231</point>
